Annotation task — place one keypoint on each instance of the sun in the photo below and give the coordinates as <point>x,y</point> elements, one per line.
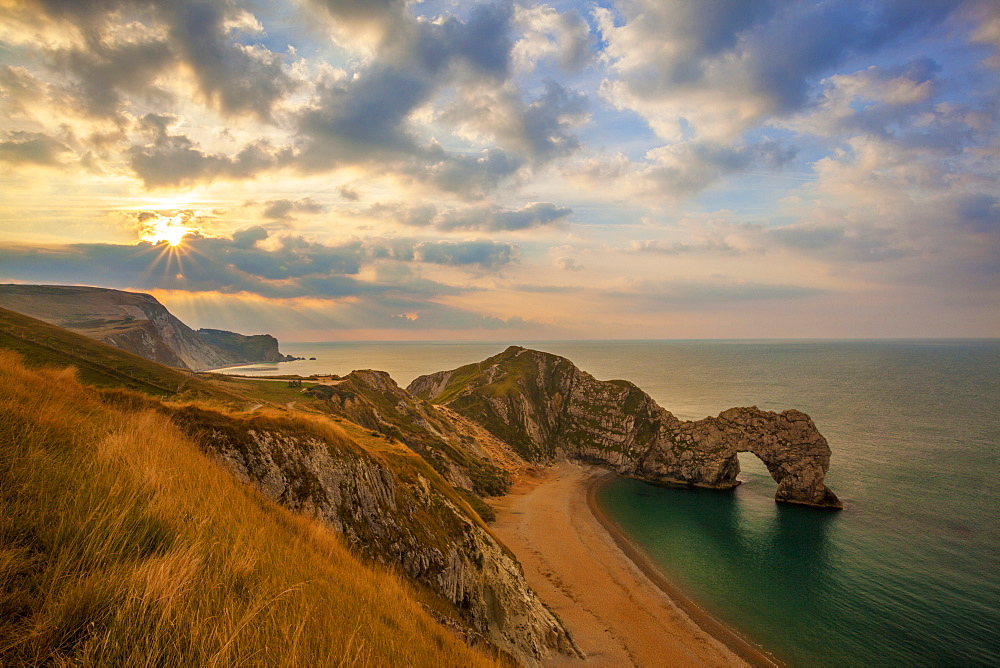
<point>165,229</point>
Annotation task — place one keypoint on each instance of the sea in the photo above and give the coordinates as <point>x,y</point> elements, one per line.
<point>907,574</point>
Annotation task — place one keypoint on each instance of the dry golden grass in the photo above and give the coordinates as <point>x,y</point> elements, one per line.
<point>122,544</point>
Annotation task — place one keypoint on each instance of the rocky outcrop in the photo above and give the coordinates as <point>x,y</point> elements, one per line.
<point>394,509</point>
<point>243,348</point>
<point>468,456</point>
<point>546,407</point>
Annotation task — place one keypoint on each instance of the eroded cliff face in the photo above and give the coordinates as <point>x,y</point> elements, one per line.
<point>130,321</point>
<point>546,407</point>
<point>393,508</point>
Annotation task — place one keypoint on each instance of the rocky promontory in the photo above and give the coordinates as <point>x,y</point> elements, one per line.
<point>545,407</point>
<point>245,348</point>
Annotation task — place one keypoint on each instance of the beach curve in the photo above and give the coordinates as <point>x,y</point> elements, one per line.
<point>619,609</point>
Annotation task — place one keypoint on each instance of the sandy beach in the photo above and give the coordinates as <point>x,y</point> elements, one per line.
<point>619,610</point>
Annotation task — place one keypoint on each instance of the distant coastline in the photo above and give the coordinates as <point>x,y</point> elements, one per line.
<point>749,652</point>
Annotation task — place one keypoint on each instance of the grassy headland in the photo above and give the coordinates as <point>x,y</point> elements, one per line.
<point>121,542</point>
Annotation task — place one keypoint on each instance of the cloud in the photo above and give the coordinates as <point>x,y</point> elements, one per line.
<point>680,169</point>
<point>174,160</point>
<point>234,78</point>
<point>704,294</point>
<point>567,264</point>
<point>682,248</point>
<point>287,266</point>
<point>494,219</point>
<point>539,130</point>
<point>853,244</point>
<point>986,18</point>
<point>467,175</point>
<point>717,68</point>
<point>366,118</point>
<point>485,254</point>
<point>563,37</point>
<point>349,194</point>
<point>125,46</point>
<point>480,217</point>
<point>103,72</point>
<point>283,209</point>
<point>33,148</point>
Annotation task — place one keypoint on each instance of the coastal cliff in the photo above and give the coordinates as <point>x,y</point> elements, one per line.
<point>394,509</point>
<point>137,323</point>
<point>244,348</point>
<point>545,407</point>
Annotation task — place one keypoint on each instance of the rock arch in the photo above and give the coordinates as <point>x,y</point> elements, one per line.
<point>704,454</point>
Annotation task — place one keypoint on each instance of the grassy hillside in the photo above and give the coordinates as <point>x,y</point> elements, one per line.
<point>42,344</point>
<point>121,543</point>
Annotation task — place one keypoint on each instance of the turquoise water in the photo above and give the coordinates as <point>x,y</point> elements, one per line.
<point>908,574</point>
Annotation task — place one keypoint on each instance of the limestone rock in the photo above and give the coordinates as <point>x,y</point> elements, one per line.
<point>546,407</point>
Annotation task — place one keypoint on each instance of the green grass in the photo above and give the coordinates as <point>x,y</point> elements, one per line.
<point>274,391</point>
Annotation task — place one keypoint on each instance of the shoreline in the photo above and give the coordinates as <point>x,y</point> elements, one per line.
<point>746,650</point>
<point>618,612</point>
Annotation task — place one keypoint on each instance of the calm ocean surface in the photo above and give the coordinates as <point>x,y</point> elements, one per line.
<point>908,574</point>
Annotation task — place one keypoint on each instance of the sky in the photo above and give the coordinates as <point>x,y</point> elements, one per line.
<point>516,171</point>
